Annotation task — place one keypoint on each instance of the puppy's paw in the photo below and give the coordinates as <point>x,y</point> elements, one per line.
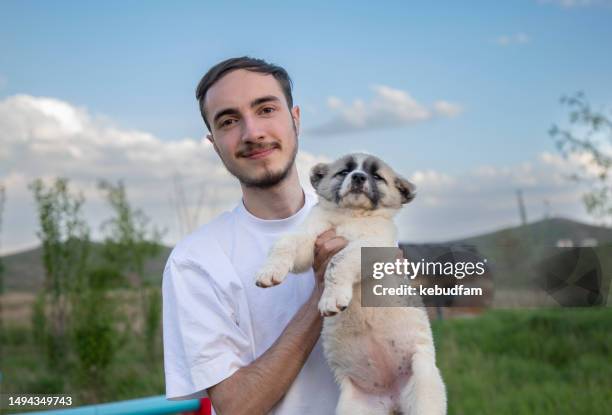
<point>332,302</point>
<point>270,276</point>
<point>328,307</point>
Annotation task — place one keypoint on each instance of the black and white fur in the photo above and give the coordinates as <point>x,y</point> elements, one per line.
<point>382,358</point>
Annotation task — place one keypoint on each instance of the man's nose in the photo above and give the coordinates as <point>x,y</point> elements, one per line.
<point>251,129</point>
<point>358,178</point>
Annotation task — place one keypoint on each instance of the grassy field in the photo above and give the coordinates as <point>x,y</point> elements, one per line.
<point>556,361</point>
<point>130,375</point>
<point>503,362</point>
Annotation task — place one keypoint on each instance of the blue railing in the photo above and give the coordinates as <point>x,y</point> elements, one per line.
<point>154,405</point>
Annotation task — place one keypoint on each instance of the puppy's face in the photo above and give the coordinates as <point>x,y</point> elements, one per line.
<point>361,181</point>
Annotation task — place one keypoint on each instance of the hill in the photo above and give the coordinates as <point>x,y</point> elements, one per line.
<point>24,271</point>
<point>552,261</point>
<point>546,232</point>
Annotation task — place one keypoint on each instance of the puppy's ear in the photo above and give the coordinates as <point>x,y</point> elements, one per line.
<point>406,189</point>
<point>317,173</point>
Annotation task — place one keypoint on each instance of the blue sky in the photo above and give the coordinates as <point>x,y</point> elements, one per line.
<point>138,63</point>
<point>503,65</point>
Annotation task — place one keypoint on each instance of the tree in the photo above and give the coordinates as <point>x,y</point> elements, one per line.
<point>95,338</point>
<point>130,240</point>
<point>589,137</point>
<point>2,200</point>
<point>65,244</point>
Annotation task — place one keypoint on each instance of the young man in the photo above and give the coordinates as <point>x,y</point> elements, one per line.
<point>252,350</point>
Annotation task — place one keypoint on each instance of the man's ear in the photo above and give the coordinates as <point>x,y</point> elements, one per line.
<point>317,173</point>
<point>210,138</point>
<point>295,114</point>
<point>406,189</point>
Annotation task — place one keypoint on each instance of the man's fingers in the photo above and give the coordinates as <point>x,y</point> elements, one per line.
<point>333,245</point>
<point>324,237</point>
<point>324,265</point>
<point>326,246</point>
<point>329,248</point>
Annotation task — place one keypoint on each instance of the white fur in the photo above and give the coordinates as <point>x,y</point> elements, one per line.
<point>382,358</point>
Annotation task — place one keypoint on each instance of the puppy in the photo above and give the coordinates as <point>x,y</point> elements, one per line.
<point>382,358</point>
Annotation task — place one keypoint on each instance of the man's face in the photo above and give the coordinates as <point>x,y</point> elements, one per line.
<point>253,129</point>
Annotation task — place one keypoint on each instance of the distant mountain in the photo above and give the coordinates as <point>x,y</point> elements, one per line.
<point>24,271</point>
<point>516,254</point>
<point>546,232</point>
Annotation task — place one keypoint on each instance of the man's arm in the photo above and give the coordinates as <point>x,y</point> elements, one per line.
<point>257,387</point>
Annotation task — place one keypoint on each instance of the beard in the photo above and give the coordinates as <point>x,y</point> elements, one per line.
<point>269,178</point>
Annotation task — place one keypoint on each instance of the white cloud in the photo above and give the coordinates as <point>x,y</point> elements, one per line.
<point>447,109</point>
<point>568,4</point>
<point>47,138</point>
<point>484,198</point>
<point>514,39</point>
<point>388,108</point>
<point>581,162</point>
<point>431,179</point>
<point>44,137</point>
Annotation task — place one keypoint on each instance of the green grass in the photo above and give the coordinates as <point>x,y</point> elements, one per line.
<point>515,362</point>
<point>528,362</point>
<point>129,376</point>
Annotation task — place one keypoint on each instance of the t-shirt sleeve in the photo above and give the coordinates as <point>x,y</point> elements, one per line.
<point>203,342</point>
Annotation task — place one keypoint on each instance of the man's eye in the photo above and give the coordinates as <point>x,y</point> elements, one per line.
<point>227,122</point>
<point>268,110</point>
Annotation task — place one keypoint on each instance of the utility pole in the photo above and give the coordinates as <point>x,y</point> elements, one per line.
<point>547,209</point>
<point>521,206</point>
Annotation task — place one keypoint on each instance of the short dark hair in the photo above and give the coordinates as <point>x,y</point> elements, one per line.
<point>250,64</point>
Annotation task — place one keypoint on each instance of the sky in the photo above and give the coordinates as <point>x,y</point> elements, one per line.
<point>456,96</point>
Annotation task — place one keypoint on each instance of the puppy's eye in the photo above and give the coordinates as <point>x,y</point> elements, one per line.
<point>378,177</point>
<point>343,173</point>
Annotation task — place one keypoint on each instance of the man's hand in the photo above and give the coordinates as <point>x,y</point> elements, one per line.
<point>257,387</point>
<point>327,245</point>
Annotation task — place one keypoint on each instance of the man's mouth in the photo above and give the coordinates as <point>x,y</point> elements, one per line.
<point>259,153</point>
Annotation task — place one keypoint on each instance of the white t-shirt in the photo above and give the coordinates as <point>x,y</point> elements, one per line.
<point>216,320</point>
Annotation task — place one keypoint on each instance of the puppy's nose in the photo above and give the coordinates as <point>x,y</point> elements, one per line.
<point>358,178</point>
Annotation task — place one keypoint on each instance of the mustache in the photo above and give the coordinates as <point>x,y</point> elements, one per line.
<point>249,149</point>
